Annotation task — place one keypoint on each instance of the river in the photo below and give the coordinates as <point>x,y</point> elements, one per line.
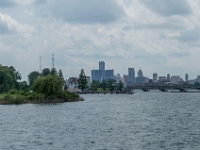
<point>142,121</point>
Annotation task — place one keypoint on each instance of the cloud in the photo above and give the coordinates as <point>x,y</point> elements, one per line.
<point>190,35</point>
<point>9,25</point>
<point>39,2</point>
<point>179,54</point>
<point>168,7</point>
<point>7,3</point>
<point>165,25</point>
<point>86,11</point>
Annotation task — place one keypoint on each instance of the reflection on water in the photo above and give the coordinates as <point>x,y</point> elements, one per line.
<point>152,120</point>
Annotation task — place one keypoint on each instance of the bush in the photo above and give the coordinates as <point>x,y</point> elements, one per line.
<point>36,96</point>
<point>8,98</point>
<point>19,99</point>
<point>13,91</point>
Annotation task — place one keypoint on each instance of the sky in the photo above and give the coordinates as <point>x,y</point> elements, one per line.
<point>154,35</point>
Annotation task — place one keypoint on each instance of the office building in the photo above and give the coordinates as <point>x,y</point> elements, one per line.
<point>175,79</point>
<point>96,75</point>
<point>140,78</point>
<point>131,75</point>
<point>186,77</point>
<point>155,77</point>
<point>101,74</point>
<point>102,68</point>
<point>168,77</point>
<point>109,74</point>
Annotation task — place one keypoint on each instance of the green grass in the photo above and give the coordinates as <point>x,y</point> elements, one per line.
<point>2,96</point>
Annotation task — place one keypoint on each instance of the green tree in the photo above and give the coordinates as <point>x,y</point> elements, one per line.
<point>8,78</point>
<point>60,74</point>
<point>197,83</point>
<point>32,77</point>
<point>23,86</point>
<point>94,85</point>
<point>53,71</point>
<point>49,85</point>
<point>120,86</point>
<point>46,71</point>
<point>111,84</point>
<point>82,81</point>
<point>104,85</point>
<point>17,77</point>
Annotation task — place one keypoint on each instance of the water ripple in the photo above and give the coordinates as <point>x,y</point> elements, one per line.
<point>141,121</point>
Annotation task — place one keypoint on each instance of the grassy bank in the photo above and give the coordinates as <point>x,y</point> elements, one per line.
<point>21,97</point>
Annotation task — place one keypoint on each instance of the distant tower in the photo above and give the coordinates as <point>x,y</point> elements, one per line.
<point>140,74</point>
<point>131,75</point>
<point>186,77</point>
<point>155,77</point>
<point>102,68</point>
<point>53,60</point>
<point>168,77</point>
<point>140,77</point>
<point>40,63</point>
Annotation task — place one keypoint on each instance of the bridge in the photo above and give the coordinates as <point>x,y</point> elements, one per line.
<point>163,87</point>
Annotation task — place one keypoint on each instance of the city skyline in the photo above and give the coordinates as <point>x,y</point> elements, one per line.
<point>133,77</point>
<point>158,36</point>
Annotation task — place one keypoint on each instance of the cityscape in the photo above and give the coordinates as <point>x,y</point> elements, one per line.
<point>132,78</point>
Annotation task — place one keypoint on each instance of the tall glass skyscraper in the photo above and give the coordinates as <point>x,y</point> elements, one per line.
<point>102,68</point>
<point>102,73</point>
<point>131,75</point>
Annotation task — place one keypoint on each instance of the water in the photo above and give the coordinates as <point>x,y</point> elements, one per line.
<point>142,121</point>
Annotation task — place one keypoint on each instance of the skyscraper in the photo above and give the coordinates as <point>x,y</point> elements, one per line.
<point>102,68</point>
<point>186,77</point>
<point>131,75</point>
<point>140,77</point>
<point>155,77</point>
<point>109,74</point>
<point>168,77</point>
<point>140,74</point>
<point>96,75</point>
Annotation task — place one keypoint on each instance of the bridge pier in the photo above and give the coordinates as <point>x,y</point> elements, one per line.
<point>183,89</point>
<point>146,89</point>
<point>164,90</point>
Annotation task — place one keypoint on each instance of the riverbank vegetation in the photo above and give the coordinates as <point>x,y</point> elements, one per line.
<point>109,85</point>
<point>45,87</point>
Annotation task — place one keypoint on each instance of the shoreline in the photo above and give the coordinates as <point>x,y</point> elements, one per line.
<point>46,101</point>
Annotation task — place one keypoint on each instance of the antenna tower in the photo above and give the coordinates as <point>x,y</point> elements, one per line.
<point>53,60</point>
<point>40,64</point>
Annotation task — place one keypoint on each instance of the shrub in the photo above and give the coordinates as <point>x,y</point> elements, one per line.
<point>13,91</point>
<point>19,99</point>
<point>36,96</point>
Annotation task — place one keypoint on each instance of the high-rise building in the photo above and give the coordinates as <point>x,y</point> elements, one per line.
<point>140,78</point>
<point>125,80</point>
<point>131,75</point>
<point>140,74</point>
<point>96,75</point>
<point>186,77</point>
<point>102,68</point>
<point>168,77</point>
<point>109,74</point>
<point>101,74</point>
<point>118,78</point>
<point>175,79</point>
<point>155,77</point>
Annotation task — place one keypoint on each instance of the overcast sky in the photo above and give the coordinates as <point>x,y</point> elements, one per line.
<point>160,36</point>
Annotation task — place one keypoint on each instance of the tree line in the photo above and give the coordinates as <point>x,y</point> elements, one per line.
<point>107,85</point>
<point>47,86</point>
<point>9,78</point>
